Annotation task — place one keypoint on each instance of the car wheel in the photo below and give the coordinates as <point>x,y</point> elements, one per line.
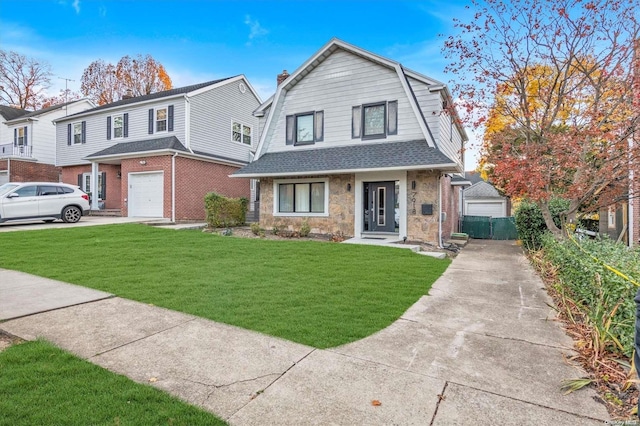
<point>49,220</point>
<point>71,214</point>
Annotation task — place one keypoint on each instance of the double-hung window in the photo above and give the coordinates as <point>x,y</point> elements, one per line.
<point>161,119</point>
<point>77,133</point>
<point>305,128</point>
<point>241,133</point>
<point>21,138</point>
<point>375,120</point>
<point>307,197</point>
<point>118,126</point>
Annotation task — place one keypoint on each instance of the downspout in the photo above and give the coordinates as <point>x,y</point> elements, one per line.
<point>440,211</point>
<point>9,169</point>
<point>187,120</point>
<point>173,187</point>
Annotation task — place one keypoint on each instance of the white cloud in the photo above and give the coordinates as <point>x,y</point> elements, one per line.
<point>76,5</point>
<point>256,30</point>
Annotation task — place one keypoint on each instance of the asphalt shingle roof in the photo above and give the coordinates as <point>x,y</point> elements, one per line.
<point>10,113</point>
<point>159,144</point>
<point>482,189</point>
<point>352,157</point>
<point>157,95</point>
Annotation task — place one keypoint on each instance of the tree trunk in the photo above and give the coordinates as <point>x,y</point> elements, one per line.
<point>548,219</point>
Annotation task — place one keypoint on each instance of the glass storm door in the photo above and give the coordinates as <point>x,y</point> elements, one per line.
<point>379,206</point>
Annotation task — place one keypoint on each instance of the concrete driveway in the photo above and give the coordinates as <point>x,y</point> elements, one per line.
<point>482,348</point>
<point>85,221</point>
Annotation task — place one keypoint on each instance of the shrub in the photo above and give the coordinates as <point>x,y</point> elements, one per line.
<point>305,229</point>
<point>530,223</point>
<point>255,228</point>
<point>606,297</point>
<point>223,212</point>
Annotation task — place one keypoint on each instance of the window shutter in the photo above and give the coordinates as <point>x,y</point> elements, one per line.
<point>84,132</point>
<point>150,121</point>
<point>170,124</point>
<point>80,181</point>
<point>69,134</point>
<point>319,126</point>
<point>26,137</point>
<point>103,186</point>
<point>356,121</point>
<point>15,137</point>
<point>125,119</point>
<point>290,129</point>
<point>392,118</point>
<point>108,128</point>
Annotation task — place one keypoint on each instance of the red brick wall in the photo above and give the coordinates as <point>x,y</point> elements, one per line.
<point>113,198</point>
<point>195,178</point>
<point>30,171</point>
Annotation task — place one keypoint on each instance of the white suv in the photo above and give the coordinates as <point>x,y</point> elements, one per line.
<point>46,201</point>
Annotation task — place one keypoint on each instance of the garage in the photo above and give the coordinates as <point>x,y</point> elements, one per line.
<point>4,177</point>
<point>486,208</point>
<point>146,194</point>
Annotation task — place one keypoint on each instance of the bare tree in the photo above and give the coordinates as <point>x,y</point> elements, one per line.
<point>22,80</point>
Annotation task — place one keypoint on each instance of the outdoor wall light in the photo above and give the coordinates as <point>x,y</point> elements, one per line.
<point>413,184</point>
<point>349,187</point>
<point>143,162</point>
<point>119,174</point>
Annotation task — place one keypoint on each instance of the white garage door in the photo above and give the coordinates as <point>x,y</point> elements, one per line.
<point>4,177</point>
<point>146,194</point>
<point>486,208</point>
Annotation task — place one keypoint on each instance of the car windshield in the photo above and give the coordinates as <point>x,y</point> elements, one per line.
<point>7,187</point>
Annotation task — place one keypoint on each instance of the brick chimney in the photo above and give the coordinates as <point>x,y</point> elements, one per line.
<point>127,95</point>
<point>282,77</point>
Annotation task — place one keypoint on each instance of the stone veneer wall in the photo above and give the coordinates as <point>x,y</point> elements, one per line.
<point>422,227</point>
<point>341,208</point>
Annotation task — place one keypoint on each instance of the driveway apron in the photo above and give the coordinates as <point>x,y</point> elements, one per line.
<point>482,348</point>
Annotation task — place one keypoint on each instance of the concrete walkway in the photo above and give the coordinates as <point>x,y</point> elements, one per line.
<point>481,349</point>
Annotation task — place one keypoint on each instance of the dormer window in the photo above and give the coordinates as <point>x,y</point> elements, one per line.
<point>305,128</point>
<point>375,120</point>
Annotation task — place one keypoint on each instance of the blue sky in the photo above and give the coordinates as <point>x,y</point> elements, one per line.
<point>199,40</point>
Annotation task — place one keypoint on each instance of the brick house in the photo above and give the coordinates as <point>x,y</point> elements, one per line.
<point>28,142</point>
<point>354,143</point>
<point>158,155</point>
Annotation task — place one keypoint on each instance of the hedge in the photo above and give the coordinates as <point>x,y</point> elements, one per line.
<point>223,212</point>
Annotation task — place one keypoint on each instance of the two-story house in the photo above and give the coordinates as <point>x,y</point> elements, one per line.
<point>354,143</point>
<point>28,141</point>
<point>158,155</point>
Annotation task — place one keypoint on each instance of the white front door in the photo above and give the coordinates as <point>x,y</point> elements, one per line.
<point>146,194</point>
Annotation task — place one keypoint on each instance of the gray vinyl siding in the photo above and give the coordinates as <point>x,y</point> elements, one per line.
<point>212,115</point>
<point>439,121</point>
<point>96,138</point>
<point>342,81</point>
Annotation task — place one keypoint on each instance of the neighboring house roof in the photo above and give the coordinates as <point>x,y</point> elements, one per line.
<point>403,73</point>
<point>346,159</point>
<point>9,113</point>
<point>35,114</point>
<point>458,180</point>
<point>473,177</point>
<point>150,146</point>
<point>154,96</point>
<point>483,190</point>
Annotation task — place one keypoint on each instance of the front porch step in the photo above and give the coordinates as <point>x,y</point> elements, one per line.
<point>106,212</point>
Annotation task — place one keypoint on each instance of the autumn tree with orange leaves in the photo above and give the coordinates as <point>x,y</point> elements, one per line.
<point>104,82</point>
<point>552,83</point>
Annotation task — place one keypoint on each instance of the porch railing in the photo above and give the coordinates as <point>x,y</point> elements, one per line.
<point>9,150</point>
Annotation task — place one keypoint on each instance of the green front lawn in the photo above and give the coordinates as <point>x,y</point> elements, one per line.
<point>43,385</point>
<point>315,293</point>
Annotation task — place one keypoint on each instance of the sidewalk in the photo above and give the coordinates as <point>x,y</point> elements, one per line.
<point>481,349</point>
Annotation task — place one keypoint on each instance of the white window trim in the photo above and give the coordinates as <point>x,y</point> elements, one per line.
<point>155,119</point>
<point>113,126</point>
<point>242,124</point>
<point>24,141</point>
<point>73,133</point>
<point>276,197</point>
